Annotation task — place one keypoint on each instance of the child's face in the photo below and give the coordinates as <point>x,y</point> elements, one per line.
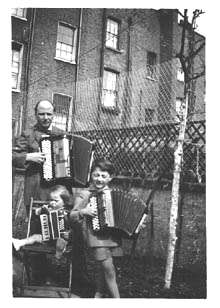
<point>100,178</point>
<point>56,202</point>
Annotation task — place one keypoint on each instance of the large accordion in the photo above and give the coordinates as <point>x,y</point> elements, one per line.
<point>67,157</point>
<point>51,224</point>
<point>117,210</point>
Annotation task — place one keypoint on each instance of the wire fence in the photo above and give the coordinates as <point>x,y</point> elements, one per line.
<point>134,119</point>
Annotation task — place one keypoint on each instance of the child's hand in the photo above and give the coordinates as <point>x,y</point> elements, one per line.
<point>35,238</point>
<point>90,210</point>
<point>45,207</point>
<point>66,236</point>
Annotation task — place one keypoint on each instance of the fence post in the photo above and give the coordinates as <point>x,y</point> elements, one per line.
<point>178,154</point>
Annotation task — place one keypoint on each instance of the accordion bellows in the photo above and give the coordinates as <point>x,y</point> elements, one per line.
<point>67,157</point>
<point>117,209</point>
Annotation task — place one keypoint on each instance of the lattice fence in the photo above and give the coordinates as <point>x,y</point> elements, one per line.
<point>148,151</point>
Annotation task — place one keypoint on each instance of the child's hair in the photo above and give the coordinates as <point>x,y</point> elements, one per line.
<point>64,194</point>
<point>104,165</point>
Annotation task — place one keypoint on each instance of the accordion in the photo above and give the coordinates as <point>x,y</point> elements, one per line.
<point>117,210</point>
<point>67,157</point>
<point>51,224</point>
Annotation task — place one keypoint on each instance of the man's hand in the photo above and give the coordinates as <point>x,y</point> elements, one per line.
<point>37,157</point>
<point>89,210</point>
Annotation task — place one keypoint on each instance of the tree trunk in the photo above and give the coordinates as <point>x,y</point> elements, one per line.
<point>178,154</point>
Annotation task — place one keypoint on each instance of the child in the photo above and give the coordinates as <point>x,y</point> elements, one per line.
<point>59,199</point>
<point>103,245</point>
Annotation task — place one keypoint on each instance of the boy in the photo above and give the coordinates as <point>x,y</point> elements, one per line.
<point>104,245</point>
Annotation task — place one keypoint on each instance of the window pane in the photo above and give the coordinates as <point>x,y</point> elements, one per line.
<point>109,81</point>
<point>109,89</point>
<point>108,99</point>
<point>20,12</point>
<point>15,55</point>
<point>15,65</point>
<point>112,34</point>
<point>14,80</point>
<point>65,39</point>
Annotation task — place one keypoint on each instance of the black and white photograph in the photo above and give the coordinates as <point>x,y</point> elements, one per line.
<point>108,142</point>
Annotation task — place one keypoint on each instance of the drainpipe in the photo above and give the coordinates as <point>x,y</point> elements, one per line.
<point>30,43</point>
<point>79,43</point>
<point>72,111</point>
<point>101,64</point>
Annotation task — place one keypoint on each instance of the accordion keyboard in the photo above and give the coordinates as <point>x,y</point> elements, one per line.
<point>95,220</point>
<point>45,227</point>
<point>47,166</point>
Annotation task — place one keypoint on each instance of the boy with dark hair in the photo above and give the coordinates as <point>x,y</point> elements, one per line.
<point>103,245</point>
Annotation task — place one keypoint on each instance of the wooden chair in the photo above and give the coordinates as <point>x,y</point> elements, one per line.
<point>29,289</point>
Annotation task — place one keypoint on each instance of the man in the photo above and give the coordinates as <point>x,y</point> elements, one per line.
<point>27,155</point>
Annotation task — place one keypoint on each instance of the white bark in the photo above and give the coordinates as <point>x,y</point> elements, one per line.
<point>178,154</point>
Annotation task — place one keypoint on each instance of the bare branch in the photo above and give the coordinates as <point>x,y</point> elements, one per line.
<point>195,52</point>
<point>180,14</point>
<point>197,75</point>
<point>199,40</point>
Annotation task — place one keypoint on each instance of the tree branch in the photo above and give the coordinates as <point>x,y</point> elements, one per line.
<point>195,52</point>
<point>202,73</point>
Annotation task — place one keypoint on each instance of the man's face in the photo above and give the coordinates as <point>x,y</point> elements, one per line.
<point>100,178</point>
<point>44,114</point>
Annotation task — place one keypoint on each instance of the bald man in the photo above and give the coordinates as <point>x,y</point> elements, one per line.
<point>26,153</point>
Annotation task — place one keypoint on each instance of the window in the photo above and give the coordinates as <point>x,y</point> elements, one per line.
<point>66,43</point>
<point>62,108</point>
<point>16,65</point>
<point>149,115</point>
<point>109,93</point>
<point>19,12</point>
<point>112,34</point>
<point>151,64</point>
<point>180,73</point>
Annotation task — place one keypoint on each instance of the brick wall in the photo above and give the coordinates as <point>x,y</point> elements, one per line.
<point>58,76</point>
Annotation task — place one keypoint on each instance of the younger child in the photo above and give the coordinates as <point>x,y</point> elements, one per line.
<point>104,245</point>
<point>59,199</point>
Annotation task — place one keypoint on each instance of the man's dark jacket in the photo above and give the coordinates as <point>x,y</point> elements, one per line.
<point>28,142</point>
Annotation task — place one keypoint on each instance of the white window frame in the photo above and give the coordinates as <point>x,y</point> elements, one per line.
<point>74,42</point>
<point>15,13</point>
<point>17,89</point>
<point>151,67</point>
<point>110,35</point>
<point>109,89</point>
<point>62,121</point>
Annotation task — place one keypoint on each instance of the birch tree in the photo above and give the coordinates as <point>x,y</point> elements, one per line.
<point>186,56</point>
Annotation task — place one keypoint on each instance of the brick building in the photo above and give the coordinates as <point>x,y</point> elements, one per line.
<point>75,56</point>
